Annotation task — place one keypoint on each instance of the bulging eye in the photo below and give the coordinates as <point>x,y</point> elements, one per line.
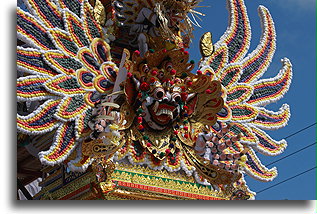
<point>145,68</point>
<point>176,97</point>
<point>158,93</point>
<point>160,75</point>
<point>168,66</point>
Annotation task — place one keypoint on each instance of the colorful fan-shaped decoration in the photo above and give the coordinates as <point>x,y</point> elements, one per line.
<point>247,94</point>
<point>112,79</point>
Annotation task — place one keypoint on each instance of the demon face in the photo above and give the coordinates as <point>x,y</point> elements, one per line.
<point>163,92</point>
<point>159,95</point>
<point>162,106</point>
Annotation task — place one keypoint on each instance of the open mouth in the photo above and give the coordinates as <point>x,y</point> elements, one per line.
<point>162,113</point>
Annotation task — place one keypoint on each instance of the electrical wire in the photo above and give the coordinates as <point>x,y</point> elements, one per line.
<point>291,154</point>
<point>286,180</point>
<point>300,131</point>
<point>295,133</point>
<point>295,151</point>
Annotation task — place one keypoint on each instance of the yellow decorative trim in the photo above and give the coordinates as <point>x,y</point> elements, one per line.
<point>134,194</point>
<point>163,179</point>
<point>68,188</point>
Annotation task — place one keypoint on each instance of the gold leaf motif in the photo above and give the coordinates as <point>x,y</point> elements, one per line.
<point>98,148</point>
<point>99,13</point>
<point>206,46</point>
<point>127,118</point>
<point>211,173</point>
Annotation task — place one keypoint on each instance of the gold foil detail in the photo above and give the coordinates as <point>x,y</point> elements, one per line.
<point>206,46</point>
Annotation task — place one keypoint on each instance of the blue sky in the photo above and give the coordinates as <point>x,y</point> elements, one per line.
<point>295,27</point>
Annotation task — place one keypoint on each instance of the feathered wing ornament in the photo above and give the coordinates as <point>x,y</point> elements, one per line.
<point>245,93</point>
<point>68,70</point>
<point>70,75</point>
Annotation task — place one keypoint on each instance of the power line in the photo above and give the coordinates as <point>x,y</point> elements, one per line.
<point>291,136</point>
<point>286,180</point>
<point>303,129</point>
<point>300,130</point>
<point>307,127</point>
<point>291,154</point>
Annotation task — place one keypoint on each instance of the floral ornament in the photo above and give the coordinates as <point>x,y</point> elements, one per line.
<point>246,94</point>
<point>70,71</point>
